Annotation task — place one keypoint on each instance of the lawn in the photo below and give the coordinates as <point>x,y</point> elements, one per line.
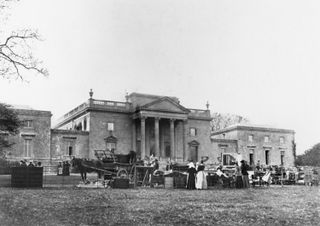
<point>289,205</point>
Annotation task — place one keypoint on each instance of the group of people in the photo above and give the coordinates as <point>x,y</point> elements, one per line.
<point>63,168</point>
<point>242,175</point>
<point>197,178</point>
<point>24,163</point>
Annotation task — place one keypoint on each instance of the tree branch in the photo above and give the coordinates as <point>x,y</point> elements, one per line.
<point>17,53</point>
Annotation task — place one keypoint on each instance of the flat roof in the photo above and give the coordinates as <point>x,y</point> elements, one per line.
<point>252,128</point>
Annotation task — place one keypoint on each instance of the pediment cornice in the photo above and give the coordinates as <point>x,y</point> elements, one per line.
<point>164,104</point>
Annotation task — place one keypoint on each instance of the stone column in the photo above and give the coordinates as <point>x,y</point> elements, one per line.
<point>143,137</point>
<point>134,136</point>
<point>184,139</point>
<point>156,137</point>
<point>173,152</point>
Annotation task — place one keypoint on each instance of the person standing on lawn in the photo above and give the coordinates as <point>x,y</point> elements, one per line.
<point>191,183</point>
<point>201,179</point>
<point>245,175</point>
<point>239,183</point>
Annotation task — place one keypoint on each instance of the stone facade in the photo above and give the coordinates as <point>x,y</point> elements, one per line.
<point>33,140</point>
<point>68,143</point>
<point>270,146</point>
<point>146,124</point>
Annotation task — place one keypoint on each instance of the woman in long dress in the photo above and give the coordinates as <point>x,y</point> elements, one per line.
<point>191,184</point>
<point>239,183</point>
<point>201,179</point>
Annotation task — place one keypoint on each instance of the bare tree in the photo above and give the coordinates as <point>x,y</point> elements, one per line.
<point>221,121</point>
<point>16,54</point>
<point>16,57</point>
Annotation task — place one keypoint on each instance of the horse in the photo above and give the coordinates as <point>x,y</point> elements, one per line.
<point>87,166</point>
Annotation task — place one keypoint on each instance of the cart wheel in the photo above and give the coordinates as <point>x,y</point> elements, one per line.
<point>122,173</point>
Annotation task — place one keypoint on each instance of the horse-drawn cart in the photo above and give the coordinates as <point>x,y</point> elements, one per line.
<point>107,165</point>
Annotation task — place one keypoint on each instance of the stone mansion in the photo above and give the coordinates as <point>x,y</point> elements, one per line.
<point>149,125</point>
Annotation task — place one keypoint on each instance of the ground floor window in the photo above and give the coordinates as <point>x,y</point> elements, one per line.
<point>194,153</point>
<point>282,157</point>
<point>111,147</point>
<point>267,156</point>
<point>111,143</point>
<point>251,159</point>
<point>70,148</point>
<point>193,150</point>
<point>228,160</point>
<point>27,147</point>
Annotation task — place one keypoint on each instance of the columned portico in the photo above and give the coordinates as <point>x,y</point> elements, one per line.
<point>161,129</point>
<point>163,137</point>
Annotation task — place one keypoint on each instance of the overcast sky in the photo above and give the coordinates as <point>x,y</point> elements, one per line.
<point>259,59</point>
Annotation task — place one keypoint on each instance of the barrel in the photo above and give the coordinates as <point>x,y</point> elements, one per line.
<point>168,182</point>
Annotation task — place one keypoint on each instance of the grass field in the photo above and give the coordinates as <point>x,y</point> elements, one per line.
<point>289,205</point>
<point>51,180</point>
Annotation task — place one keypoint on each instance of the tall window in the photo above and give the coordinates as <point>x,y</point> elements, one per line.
<point>266,139</point>
<point>70,150</point>
<point>267,157</point>
<point>193,132</point>
<point>282,157</point>
<point>27,147</point>
<point>250,138</point>
<point>194,153</point>
<point>111,143</point>
<point>251,157</point>
<point>193,150</point>
<point>111,146</point>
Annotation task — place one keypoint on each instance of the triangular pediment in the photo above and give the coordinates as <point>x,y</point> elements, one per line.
<point>111,139</point>
<point>165,104</point>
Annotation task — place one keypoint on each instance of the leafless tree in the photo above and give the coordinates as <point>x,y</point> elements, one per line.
<point>16,55</point>
<point>221,121</point>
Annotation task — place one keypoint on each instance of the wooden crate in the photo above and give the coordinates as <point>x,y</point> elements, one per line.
<point>27,177</point>
<point>121,183</point>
